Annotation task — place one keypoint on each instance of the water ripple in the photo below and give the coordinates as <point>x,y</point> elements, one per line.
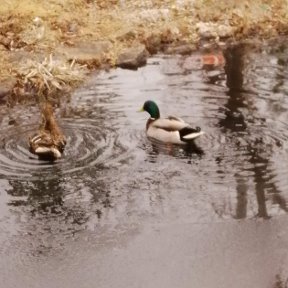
<point>88,144</point>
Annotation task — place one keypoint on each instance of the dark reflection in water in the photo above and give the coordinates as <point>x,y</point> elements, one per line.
<point>182,152</point>
<point>280,283</point>
<point>51,214</point>
<point>256,154</point>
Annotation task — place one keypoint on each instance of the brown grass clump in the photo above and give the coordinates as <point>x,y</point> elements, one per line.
<point>50,76</point>
<point>40,27</point>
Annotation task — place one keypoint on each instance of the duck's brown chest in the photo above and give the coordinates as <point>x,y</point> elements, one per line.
<point>149,122</point>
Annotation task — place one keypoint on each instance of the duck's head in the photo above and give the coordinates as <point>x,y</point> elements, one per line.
<point>152,108</point>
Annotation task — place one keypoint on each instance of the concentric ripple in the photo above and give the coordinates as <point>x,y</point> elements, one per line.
<point>88,144</point>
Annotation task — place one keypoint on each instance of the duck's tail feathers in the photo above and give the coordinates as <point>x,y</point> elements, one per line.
<point>189,133</point>
<point>43,151</point>
<point>193,135</point>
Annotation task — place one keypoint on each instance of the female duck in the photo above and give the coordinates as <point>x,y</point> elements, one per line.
<point>170,130</point>
<point>49,142</point>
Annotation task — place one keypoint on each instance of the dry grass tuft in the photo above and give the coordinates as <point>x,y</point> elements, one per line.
<point>51,76</point>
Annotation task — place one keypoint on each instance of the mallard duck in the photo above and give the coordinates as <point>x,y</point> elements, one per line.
<point>170,130</point>
<point>49,142</point>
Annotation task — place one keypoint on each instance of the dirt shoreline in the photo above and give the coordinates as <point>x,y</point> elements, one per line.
<point>48,49</point>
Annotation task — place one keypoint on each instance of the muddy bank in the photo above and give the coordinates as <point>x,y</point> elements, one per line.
<point>49,49</point>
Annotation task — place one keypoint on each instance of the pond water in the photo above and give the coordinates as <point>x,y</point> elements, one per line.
<point>121,211</point>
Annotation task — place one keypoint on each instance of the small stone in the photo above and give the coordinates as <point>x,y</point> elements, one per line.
<point>133,58</point>
<point>183,49</point>
<point>12,122</point>
<point>208,30</point>
<point>224,31</point>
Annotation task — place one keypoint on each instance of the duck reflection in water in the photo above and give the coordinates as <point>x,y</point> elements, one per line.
<point>178,151</point>
<point>48,212</point>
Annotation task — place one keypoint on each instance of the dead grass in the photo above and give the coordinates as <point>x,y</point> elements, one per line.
<point>51,75</point>
<point>41,26</point>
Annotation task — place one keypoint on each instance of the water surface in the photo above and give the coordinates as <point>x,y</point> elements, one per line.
<point>121,211</point>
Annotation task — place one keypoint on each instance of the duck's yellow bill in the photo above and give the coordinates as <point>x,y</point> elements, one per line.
<point>141,110</point>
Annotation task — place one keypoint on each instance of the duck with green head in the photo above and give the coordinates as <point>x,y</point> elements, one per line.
<point>169,130</point>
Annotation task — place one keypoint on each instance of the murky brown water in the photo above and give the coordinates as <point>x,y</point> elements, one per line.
<point>120,211</point>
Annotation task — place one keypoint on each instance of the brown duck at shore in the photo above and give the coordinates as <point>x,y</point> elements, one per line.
<point>49,142</point>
